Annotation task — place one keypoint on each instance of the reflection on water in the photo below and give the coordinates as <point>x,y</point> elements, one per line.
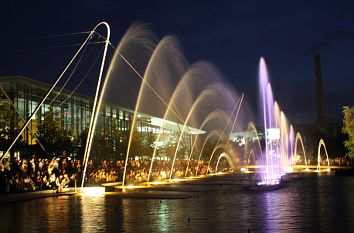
<point>93,214</point>
<point>313,204</point>
<point>164,217</point>
<point>146,213</point>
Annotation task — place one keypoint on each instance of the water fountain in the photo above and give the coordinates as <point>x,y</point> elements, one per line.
<point>299,138</point>
<point>217,114</point>
<point>214,133</point>
<point>275,132</point>
<point>228,159</point>
<point>292,144</point>
<point>258,148</point>
<point>210,92</point>
<point>171,90</point>
<point>162,97</point>
<point>152,86</point>
<point>237,109</point>
<point>190,97</point>
<point>321,144</point>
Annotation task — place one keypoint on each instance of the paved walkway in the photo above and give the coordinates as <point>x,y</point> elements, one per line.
<point>14,197</point>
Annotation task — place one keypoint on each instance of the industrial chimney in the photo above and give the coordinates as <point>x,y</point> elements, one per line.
<point>321,121</point>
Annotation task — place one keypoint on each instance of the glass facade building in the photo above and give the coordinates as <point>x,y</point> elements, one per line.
<point>19,96</point>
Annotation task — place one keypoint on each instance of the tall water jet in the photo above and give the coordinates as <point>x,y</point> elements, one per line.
<point>291,141</point>
<point>271,175</point>
<point>284,142</point>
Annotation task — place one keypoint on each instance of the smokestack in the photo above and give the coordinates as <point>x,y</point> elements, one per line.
<point>321,121</point>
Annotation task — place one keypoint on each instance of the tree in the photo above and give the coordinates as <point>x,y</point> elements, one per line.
<point>8,127</point>
<point>80,143</point>
<point>136,147</point>
<point>101,147</point>
<point>148,144</point>
<point>170,145</point>
<point>52,136</point>
<point>120,140</point>
<point>348,128</point>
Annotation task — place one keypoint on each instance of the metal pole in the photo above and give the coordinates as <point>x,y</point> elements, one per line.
<point>97,102</point>
<point>46,96</point>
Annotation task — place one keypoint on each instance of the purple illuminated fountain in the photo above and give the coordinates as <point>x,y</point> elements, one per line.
<point>273,164</point>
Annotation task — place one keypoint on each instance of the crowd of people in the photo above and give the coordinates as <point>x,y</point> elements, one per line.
<point>138,170</point>
<point>37,174</point>
<point>57,173</point>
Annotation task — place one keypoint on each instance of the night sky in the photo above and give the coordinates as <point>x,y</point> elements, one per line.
<point>230,34</point>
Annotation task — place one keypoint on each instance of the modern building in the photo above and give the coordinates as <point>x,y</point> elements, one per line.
<point>19,96</point>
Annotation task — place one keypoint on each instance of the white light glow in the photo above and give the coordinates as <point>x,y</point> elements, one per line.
<point>289,169</point>
<point>273,134</point>
<point>93,191</point>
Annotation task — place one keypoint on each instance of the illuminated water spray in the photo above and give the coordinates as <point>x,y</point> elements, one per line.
<point>299,138</point>
<point>321,143</point>
<point>272,154</point>
<point>227,157</point>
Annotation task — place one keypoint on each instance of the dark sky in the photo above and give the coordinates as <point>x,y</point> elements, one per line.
<point>230,34</point>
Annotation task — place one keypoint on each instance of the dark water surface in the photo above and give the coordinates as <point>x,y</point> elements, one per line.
<point>313,204</point>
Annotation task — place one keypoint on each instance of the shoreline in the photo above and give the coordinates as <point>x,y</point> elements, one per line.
<point>16,197</point>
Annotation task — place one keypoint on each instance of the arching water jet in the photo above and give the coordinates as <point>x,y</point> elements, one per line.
<point>154,62</point>
<point>210,91</point>
<point>197,70</point>
<point>215,115</point>
<point>215,133</point>
<point>218,146</point>
<point>227,157</point>
<point>321,144</point>
<point>252,128</point>
<point>299,138</point>
<point>237,106</point>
